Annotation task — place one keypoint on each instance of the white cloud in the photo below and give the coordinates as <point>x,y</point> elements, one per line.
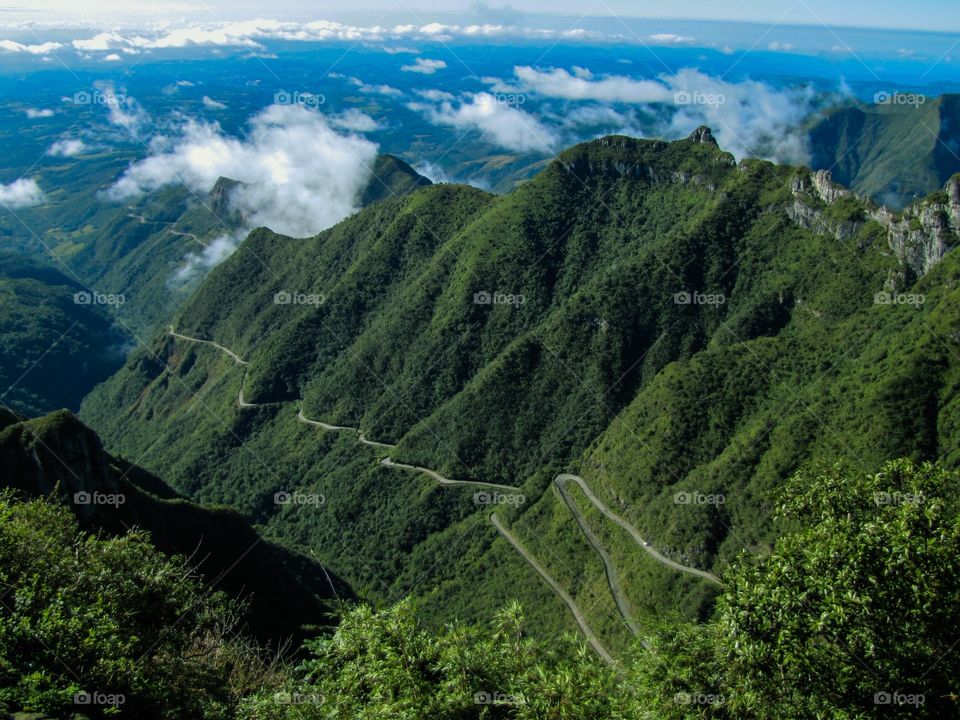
<point>399,49</point>
<point>354,120</point>
<point>252,33</point>
<point>298,175</point>
<point>213,104</point>
<point>367,89</point>
<point>753,119</point>
<point>670,39</point>
<point>103,41</point>
<point>196,265</point>
<point>20,194</point>
<point>35,114</point>
<point>435,95</point>
<point>749,118</point>
<point>497,122</point>
<point>68,147</point>
<point>112,57</point>
<point>580,85</point>
<point>12,46</point>
<point>124,111</point>
<point>425,66</point>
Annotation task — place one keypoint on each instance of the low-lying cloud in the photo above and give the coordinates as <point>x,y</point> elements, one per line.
<point>749,118</point>
<point>497,122</point>
<point>20,194</point>
<point>424,66</point>
<point>67,147</point>
<point>298,175</point>
<point>196,265</point>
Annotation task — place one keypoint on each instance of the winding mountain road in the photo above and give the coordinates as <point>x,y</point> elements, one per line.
<point>560,482</point>
<point>441,480</point>
<point>236,358</point>
<point>326,426</point>
<point>563,478</point>
<point>613,580</point>
<point>555,586</point>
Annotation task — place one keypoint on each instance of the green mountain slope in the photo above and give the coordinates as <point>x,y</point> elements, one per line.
<point>143,249</point>
<point>56,456</point>
<point>650,315</point>
<point>56,345</point>
<point>892,152</point>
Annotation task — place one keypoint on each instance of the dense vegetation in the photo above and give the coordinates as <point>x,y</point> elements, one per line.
<point>53,349</point>
<point>681,330</point>
<point>852,615</point>
<point>57,457</point>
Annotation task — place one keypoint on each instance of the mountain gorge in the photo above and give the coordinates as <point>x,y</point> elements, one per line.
<point>682,331</point>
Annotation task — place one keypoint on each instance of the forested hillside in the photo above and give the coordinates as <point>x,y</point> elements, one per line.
<point>682,331</point>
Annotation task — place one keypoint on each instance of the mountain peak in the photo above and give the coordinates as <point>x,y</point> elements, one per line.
<point>703,135</point>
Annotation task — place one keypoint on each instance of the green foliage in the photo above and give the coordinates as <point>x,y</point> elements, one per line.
<point>386,665</point>
<point>111,617</point>
<point>54,350</point>
<point>853,615</point>
<point>600,370</point>
<point>886,151</point>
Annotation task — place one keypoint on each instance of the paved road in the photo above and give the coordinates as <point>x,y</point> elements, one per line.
<point>326,426</point>
<point>555,586</point>
<point>236,358</point>
<point>441,479</point>
<point>613,580</point>
<point>634,533</point>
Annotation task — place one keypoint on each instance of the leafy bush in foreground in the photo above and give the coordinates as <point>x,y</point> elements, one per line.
<point>114,622</point>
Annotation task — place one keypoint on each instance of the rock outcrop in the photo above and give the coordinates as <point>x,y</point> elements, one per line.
<point>920,235</point>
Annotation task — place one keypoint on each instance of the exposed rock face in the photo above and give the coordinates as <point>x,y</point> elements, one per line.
<point>919,236</point>
<point>820,184</point>
<point>220,201</point>
<point>703,134</point>
<point>925,231</point>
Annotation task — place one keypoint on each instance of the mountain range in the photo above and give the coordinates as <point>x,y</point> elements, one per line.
<point>681,331</point>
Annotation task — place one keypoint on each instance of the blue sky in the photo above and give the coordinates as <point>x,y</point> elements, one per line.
<point>939,15</point>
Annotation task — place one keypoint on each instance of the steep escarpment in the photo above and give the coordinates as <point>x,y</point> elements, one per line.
<point>920,235</point>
